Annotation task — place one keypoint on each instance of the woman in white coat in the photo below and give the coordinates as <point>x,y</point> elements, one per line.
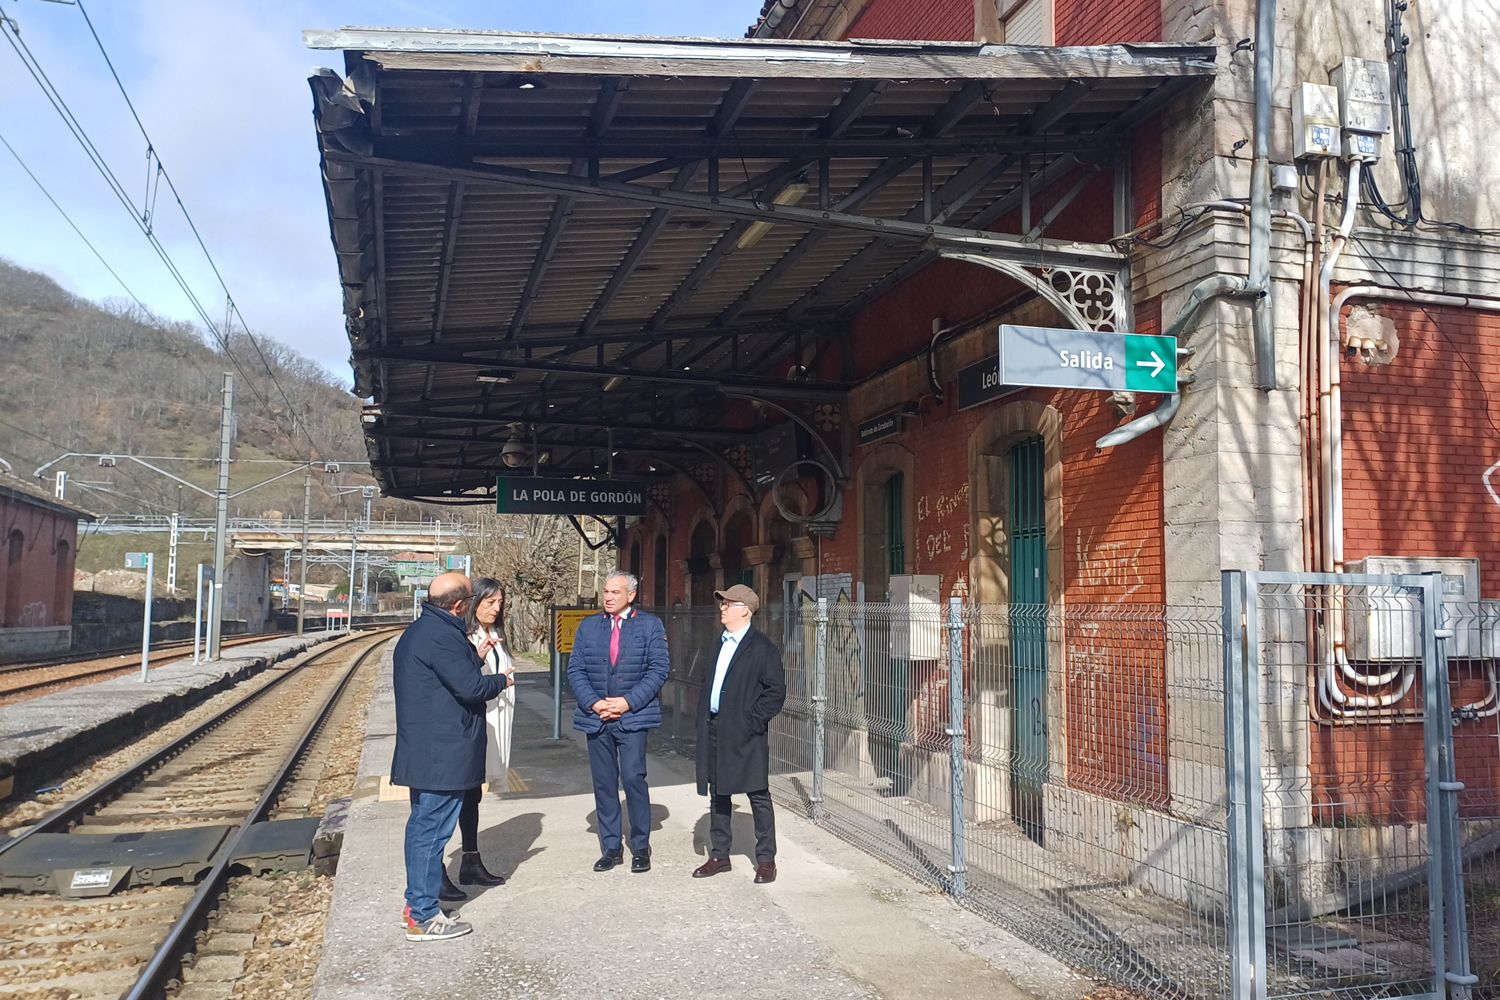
<point>485,624</point>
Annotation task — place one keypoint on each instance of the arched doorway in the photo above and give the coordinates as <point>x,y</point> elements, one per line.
<point>659,573</point>
<point>739,535</point>
<point>1015,476</point>
<point>634,560</point>
<point>15,548</point>
<point>63,583</point>
<point>701,571</point>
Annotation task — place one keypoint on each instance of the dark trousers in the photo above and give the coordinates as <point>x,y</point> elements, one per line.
<point>618,757</point>
<point>468,819</point>
<point>721,810</point>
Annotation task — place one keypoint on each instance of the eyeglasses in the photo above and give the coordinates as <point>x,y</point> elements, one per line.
<point>731,604</point>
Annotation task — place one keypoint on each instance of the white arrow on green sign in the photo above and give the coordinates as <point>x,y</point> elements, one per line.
<point>1085,359</point>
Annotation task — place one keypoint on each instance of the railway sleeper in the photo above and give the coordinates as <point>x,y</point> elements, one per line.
<point>80,865</point>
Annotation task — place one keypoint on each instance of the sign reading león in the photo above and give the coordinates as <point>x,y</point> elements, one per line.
<point>1084,359</point>
<point>543,495</point>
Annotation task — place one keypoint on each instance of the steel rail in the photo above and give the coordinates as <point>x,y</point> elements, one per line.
<point>166,963</point>
<point>62,819</point>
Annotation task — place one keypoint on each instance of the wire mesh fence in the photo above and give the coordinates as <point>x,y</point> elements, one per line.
<point>1065,772</point>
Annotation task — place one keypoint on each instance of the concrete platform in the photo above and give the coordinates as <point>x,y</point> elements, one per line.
<point>836,923</point>
<point>43,737</point>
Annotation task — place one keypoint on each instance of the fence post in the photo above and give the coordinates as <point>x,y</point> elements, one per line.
<point>1242,786</point>
<point>1448,917</point>
<point>954,628</point>
<point>820,706</point>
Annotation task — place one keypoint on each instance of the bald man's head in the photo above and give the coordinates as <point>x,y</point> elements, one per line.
<point>448,590</point>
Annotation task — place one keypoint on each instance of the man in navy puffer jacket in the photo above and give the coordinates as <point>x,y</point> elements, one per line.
<point>617,669</point>
<point>440,697</point>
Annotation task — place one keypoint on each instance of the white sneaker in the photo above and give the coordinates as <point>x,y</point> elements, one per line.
<point>439,928</point>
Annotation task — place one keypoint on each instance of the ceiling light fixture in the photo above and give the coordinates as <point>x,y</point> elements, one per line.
<point>497,376</point>
<point>789,195</point>
<point>514,454</point>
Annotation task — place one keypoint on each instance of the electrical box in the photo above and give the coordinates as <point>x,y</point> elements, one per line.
<point>916,618</point>
<point>1361,146</point>
<point>1315,120</point>
<point>1364,88</point>
<point>1386,624</point>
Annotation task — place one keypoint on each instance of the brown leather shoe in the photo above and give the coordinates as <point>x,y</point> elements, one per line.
<point>711,867</point>
<point>765,871</point>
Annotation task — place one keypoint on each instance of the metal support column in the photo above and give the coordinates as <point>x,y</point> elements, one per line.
<point>198,618</point>
<point>226,437</point>
<point>956,835</point>
<point>820,706</point>
<point>302,563</point>
<point>172,556</point>
<point>146,620</point>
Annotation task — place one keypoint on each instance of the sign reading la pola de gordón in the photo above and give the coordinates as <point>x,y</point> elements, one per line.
<point>545,495</point>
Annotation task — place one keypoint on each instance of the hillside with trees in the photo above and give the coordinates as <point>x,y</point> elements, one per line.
<point>108,378</point>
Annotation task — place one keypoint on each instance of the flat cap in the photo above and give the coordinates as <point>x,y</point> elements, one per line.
<point>740,592</point>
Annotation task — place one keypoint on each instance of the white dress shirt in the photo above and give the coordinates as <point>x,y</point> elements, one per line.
<point>729,642</point>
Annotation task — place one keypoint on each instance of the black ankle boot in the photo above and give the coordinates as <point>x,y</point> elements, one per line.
<point>450,893</point>
<point>471,871</point>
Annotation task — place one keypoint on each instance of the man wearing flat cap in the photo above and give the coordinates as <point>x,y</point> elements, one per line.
<point>741,695</point>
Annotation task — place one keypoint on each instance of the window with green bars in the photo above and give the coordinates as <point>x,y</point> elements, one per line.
<point>895,524</point>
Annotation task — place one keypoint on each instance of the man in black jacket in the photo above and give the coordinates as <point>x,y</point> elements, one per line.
<point>741,695</point>
<point>440,698</point>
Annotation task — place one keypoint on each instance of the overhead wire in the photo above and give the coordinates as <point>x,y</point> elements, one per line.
<point>161,174</point>
<point>145,223</point>
<point>73,225</point>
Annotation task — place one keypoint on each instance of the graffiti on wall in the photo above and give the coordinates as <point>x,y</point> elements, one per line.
<point>1114,566</point>
<point>34,615</point>
<point>938,534</point>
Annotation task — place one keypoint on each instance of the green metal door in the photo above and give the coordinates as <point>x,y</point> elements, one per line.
<point>1028,632</point>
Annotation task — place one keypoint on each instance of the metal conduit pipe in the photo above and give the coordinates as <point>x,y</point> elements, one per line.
<point>1258,281</point>
<point>1213,287</point>
<point>1259,278</point>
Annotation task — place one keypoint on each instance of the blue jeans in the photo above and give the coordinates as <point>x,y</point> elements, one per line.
<point>618,757</point>
<point>433,817</point>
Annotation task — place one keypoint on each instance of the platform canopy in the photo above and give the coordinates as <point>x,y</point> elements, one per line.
<point>589,243</point>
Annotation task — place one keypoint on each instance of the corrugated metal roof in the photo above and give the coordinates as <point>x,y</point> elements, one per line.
<point>562,210</point>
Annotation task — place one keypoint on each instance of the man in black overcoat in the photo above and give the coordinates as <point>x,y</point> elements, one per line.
<point>440,697</point>
<point>741,695</point>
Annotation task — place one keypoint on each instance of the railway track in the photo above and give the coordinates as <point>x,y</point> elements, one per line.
<point>224,779</point>
<point>19,681</point>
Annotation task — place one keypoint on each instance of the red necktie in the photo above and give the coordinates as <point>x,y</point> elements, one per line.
<point>614,640</point>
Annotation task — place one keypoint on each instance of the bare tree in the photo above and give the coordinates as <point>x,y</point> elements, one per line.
<point>535,557</point>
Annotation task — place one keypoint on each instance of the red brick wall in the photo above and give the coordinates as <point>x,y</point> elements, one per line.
<point>35,592</point>
<point>933,20</point>
<point>1101,22</point>
<point>1419,435</point>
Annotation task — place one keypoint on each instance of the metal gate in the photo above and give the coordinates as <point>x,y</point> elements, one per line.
<point>1345,866</point>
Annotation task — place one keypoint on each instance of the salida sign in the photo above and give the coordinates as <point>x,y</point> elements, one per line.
<point>542,495</point>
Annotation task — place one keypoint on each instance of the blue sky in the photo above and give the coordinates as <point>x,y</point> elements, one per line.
<point>221,88</point>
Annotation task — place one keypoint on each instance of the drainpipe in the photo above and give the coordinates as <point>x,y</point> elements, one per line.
<point>1259,279</point>
<point>1257,283</point>
<point>1215,287</point>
